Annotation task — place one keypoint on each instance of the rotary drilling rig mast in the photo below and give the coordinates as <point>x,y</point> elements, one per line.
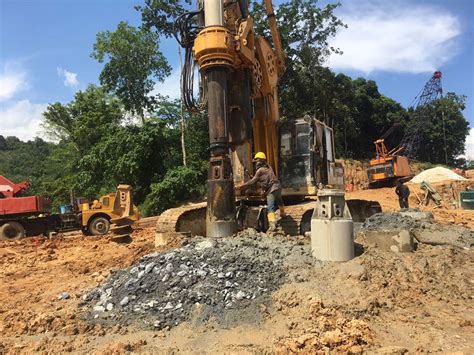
<point>239,75</point>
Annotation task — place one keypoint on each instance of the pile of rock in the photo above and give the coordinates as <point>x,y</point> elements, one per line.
<point>400,231</point>
<point>409,219</point>
<point>204,279</point>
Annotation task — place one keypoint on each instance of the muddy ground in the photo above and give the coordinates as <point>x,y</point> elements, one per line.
<point>381,301</point>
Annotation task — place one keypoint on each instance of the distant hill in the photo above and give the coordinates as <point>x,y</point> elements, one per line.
<point>20,161</point>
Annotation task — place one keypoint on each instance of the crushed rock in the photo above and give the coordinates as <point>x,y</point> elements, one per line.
<point>396,221</point>
<point>422,226</point>
<point>226,279</point>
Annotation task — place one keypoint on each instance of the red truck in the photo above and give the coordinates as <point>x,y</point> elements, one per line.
<point>21,213</point>
<point>22,216</point>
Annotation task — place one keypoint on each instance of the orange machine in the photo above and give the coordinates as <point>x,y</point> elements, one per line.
<point>387,167</point>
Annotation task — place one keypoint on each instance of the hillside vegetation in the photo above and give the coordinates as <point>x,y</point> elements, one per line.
<point>120,132</point>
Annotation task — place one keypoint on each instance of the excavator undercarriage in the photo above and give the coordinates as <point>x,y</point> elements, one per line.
<point>190,220</point>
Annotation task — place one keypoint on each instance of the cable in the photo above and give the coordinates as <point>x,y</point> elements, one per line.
<point>186,29</point>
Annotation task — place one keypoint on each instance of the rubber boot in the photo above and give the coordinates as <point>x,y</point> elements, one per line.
<point>271,221</point>
<point>282,211</point>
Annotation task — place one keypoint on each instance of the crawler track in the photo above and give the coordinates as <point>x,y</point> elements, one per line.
<point>191,219</point>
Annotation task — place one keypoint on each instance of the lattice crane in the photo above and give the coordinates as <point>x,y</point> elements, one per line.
<point>431,91</point>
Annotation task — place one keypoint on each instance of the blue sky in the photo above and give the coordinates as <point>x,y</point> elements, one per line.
<point>45,48</point>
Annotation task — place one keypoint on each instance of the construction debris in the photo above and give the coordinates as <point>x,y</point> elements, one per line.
<point>372,303</point>
<point>384,229</point>
<point>430,194</point>
<point>204,279</point>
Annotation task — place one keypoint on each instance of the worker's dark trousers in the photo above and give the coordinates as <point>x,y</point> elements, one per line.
<point>403,202</point>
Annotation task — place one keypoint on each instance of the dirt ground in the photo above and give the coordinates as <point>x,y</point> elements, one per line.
<point>446,214</point>
<point>380,301</point>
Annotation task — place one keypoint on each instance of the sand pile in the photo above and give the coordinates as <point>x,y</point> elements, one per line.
<point>437,174</point>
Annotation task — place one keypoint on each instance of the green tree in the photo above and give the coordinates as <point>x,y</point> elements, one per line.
<point>20,161</point>
<point>373,115</point>
<point>160,15</point>
<point>305,29</point>
<point>442,118</point>
<point>180,184</point>
<point>196,128</point>
<point>85,120</point>
<point>134,64</point>
<point>135,155</point>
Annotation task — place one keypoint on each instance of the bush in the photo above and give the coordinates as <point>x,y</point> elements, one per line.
<point>180,184</point>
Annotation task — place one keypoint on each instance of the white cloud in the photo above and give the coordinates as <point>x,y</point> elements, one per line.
<point>12,80</point>
<point>170,87</point>
<point>470,145</point>
<point>70,78</point>
<point>394,36</point>
<point>21,119</point>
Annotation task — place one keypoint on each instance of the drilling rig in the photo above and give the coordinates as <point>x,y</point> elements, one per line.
<point>239,72</point>
<point>388,166</point>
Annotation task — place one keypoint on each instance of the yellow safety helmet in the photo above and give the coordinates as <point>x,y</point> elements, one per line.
<point>260,155</point>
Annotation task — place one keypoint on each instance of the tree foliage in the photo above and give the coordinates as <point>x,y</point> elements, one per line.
<point>85,120</point>
<point>159,15</point>
<point>137,155</point>
<point>305,29</point>
<point>99,149</point>
<point>442,118</point>
<point>134,64</point>
<point>45,165</point>
<point>180,184</point>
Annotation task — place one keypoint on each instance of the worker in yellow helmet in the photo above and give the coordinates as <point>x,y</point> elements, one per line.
<point>265,177</point>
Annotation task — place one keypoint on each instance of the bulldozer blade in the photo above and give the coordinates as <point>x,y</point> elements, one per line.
<point>122,239</point>
<point>120,230</point>
<point>122,221</point>
<point>121,234</point>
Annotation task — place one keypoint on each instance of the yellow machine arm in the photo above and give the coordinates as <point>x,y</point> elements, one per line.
<point>241,71</point>
<point>276,37</point>
<point>267,114</point>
